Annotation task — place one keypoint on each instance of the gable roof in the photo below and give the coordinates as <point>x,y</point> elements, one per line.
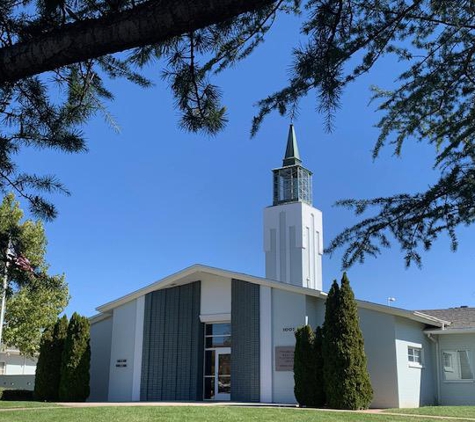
<point>460,318</point>
<point>195,272</point>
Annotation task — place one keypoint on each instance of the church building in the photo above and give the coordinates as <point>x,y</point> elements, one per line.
<point>208,333</point>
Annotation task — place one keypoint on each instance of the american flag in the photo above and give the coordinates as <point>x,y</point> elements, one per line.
<point>20,261</point>
<point>23,263</point>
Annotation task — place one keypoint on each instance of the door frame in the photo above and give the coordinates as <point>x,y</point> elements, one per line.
<point>220,351</point>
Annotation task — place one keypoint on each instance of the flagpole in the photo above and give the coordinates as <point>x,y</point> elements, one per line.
<point>4,291</point>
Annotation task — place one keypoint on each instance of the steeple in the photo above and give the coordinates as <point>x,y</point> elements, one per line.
<point>293,230</point>
<point>292,182</point>
<point>292,156</point>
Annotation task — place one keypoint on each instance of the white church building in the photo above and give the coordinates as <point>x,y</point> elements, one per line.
<point>207,333</point>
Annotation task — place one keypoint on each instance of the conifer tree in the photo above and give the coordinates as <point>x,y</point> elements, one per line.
<point>48,368</point>
<point>195,40</point>
<point>74,384</point>
<point>346,377</point>
<point>42,391</point>
<point>304,366</point>
<point>319,392</point>
<point>331,369</point>
<point>359,392</point>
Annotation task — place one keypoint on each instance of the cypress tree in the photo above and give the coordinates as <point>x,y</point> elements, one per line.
<point>319,394</point>
<point>74,385</point>
<point>48,368</point>
<point>346,377</point>
<point>304,367</point>
<point>330,345</point>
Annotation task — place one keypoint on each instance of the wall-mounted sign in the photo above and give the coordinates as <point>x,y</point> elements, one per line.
<point>121,363</point>
<point>284,358</point>
<point>288,329</point>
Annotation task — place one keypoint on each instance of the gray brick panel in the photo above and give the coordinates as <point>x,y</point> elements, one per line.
<point>172,344</point>
<point>245,352</point>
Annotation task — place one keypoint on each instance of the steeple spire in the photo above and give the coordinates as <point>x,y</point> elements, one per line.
<point>292,155</point>
<point>292,181</point>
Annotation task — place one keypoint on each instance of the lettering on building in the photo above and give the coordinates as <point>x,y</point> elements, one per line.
<point>284,358</point>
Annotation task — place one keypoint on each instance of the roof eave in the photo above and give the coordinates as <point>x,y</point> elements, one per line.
<point>469,330</point>
<point>413,315</point>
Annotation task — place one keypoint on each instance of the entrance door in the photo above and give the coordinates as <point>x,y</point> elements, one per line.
<point>222,379</point>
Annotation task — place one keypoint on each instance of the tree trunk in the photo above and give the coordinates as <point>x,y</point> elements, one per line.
<point>148,23</point>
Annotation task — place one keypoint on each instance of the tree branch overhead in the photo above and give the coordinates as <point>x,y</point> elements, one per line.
<point>148,23</point>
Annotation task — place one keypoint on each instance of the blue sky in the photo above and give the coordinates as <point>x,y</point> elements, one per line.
<point>152,199</point>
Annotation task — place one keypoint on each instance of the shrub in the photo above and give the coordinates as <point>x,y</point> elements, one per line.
<point>347,383</point>
<point>304,366</point>
<point>48,368</point>
<point>74,384</point>
<point>319,394</point>
<point>17,395</point>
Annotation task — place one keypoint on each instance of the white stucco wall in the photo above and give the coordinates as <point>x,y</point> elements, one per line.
<point>16,364</point>
<point>379,342</point>
<point>315,311</point>
<point>457,392</point>
<point>126,344</point>
<point>215,295</point>
<point>416,384</point>
<point>101,336</point>
<point>288,313</point>
<point>293,244</point>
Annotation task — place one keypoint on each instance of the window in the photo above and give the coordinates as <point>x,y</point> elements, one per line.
<point>218,335</point>
<point>457,365</point>
<point>2,368</point>
<point>414,355</point>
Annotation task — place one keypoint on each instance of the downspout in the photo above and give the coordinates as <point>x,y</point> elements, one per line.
<point>437,362</point>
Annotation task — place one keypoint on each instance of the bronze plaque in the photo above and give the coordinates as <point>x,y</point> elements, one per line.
<point>284,358</point>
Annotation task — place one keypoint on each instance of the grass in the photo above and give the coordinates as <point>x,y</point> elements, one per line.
<point>452,411</point>
<point>23,404</point>
<point>192,413</point>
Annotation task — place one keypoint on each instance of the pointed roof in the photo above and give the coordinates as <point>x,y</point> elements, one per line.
<point>292,156</point>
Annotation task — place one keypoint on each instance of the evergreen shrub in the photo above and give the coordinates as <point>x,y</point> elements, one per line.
<point>74,384</point>
<point>48,368</point>
<point>347,382</point>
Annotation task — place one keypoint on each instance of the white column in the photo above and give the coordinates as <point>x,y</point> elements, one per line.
<point>138,346</point>
<point>265,305</point>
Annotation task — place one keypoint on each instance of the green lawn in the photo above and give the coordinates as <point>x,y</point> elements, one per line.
<point>191,414</point>
<point>454,411</point>
<point>23,404</point>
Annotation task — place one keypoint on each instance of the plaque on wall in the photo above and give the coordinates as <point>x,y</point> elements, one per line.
<point>284,358</point>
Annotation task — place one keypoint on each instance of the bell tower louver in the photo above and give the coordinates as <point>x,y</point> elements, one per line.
<point>293,232</point>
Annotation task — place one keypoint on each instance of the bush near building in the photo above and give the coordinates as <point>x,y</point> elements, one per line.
<point>62,372</point>
<point>48,368</point>
<point>304,366</point>
<point>308,367</point>
<point>74,384</point>
<point>347,382</point>
<point>320,396</point>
